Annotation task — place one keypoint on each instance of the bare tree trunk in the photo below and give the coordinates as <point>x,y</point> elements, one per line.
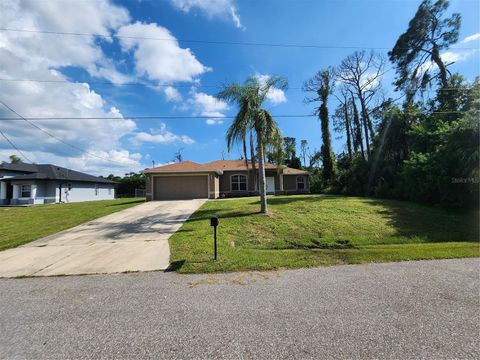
<point>358,127</point>
<point>365,124</point>
<point>252,158</point>
<point>347,127</point>
<point>261,169</point>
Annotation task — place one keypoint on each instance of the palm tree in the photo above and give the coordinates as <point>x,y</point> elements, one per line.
<point>249,98</point>
<point>236,133</point>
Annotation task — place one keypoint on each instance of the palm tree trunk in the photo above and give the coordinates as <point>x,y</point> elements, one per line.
<point>261,169</point>
<point>244,143</point>
<point>252,158</point>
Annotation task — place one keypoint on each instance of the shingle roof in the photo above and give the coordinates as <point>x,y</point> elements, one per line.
<point>20,167</point>
<point>291,171</point>
<point>217,166</point>
<point>180,166</point>
<point>50,172</point>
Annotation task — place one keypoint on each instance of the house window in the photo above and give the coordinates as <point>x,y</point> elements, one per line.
<point>25,191</point>
<point>239,182</point>
<point>96,190</point>
<point>300,182</point>
<point>109,191</point>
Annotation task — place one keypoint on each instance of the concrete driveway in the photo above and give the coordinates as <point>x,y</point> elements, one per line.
<point>135,239</point>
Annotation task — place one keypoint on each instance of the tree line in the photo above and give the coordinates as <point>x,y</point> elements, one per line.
<point>414,147</point>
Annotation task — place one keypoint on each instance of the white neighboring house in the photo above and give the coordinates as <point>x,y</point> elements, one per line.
<point>22,184</point>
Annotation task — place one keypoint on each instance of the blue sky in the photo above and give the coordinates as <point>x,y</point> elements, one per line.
<point>174,72</point>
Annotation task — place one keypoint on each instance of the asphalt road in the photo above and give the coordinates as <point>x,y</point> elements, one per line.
<point>426,309</point>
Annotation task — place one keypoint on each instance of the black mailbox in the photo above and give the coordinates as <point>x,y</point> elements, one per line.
<point>214,221</point>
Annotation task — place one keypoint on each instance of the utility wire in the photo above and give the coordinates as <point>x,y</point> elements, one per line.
<point>213,42</point>
<point>163,117</point>
<point>55,137</point>
<point>109,83</point>
<point>15,147</point>
<point>152,117</point>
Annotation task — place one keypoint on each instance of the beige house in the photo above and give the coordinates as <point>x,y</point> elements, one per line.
<point>221,178</point>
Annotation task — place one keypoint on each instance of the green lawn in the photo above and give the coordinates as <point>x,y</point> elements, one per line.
<point>20,225</point>
<point>316,230</point>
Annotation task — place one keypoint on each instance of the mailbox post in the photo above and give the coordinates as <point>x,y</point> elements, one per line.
<point>214,223</point>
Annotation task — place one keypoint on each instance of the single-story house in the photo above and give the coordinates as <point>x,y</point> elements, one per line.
<point>221,178</point>
<point>22,184</point>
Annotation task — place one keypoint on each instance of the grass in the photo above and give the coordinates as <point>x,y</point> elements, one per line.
<point>317,230</point>
<point>20,225</point>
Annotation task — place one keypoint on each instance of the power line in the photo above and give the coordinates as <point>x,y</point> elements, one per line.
<point>15,147</point>
<point>110,83</point>
<point>152,117</point>
<point>180,117</point>
<point>55,137</point>
<point>212,42</point>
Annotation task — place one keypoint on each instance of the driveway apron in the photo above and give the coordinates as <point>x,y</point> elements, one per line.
<point>135,239</point>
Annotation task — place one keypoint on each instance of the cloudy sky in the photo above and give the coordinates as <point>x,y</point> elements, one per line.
<point>143,58</point>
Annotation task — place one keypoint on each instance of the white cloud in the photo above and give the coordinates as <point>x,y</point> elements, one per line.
<point>455,56</point>
<point>225,9</point>
<point>41,56</point>
<point>161,60</point>
<point>274,95</point>
<point>370,80</point>
<point>98,17</point>
<point>161,136</point>
<point>208,105</point>
<point>469,38</point>
<point>214,121</point>
<point>172,94</point>
<point>448,57</point>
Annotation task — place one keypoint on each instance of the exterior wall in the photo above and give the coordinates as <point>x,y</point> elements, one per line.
<point>3,193</point>
<point>214,186</point>
<point>148,187</point>
<point>225,182</point>
<point>46,192</point>
<point>3,185</point>
<point>52,192</point>
<point>290,184</point>
<point>86,192</point>
<point>220,185</point>
<point>17,198</point>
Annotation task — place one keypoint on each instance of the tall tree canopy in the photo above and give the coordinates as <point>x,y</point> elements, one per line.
<point>14,159</point>
<point>417,50</point>
<point>321,85</point>
<point>361,73</point>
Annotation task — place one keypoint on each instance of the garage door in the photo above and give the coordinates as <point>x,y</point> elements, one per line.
<point>180,187</point>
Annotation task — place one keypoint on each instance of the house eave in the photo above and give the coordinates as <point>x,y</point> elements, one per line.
<point>218,172</point>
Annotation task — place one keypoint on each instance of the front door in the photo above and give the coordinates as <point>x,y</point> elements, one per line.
<point>270,185</point>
